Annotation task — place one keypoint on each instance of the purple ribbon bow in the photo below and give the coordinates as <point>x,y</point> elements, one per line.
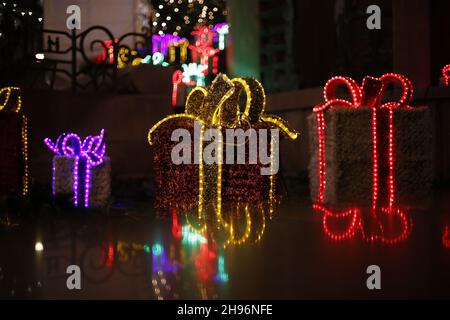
<point>87,153</point>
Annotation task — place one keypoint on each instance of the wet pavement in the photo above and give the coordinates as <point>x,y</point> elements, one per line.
<point>299,252</point>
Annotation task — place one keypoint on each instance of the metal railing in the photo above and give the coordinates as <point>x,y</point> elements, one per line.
<point>76,61</point>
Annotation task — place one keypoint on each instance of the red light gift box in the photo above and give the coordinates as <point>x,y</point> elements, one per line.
<point>185,185</point>
<point>14,175</point>
<point>364,150</point>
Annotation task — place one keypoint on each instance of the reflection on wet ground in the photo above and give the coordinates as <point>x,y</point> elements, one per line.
<point>300,252</point>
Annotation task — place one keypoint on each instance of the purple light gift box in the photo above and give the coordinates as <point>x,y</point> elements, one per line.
<point>80,168</point>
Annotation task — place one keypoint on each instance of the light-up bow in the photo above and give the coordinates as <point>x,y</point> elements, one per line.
<point>7,105</point>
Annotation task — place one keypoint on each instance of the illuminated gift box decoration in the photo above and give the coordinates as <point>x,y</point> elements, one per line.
<point>80,168</point>
<point>217,107</point>
<point>14,174</point>
<point>363,150</point>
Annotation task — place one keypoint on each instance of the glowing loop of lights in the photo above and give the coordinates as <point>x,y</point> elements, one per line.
<point>157,58</point>
<point>7,105</point>
<point>356,101</point>
<point>92,149</point>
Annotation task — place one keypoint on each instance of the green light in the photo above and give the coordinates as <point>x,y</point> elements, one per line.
<point>146,248</point>
<point>147,59</point>
<point>222,275</point>
<point>191,237</point>
<point>157,249</point>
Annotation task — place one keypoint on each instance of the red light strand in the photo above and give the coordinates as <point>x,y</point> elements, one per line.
<point>446,75</point>
<point>177,230</point>
<point>375,179</point>
<point>177,79</point>
<point>446,237</point>
<point>329,92</point>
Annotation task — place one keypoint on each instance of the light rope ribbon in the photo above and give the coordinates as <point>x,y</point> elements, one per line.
<point>407,92</point>
<point>368,96</point>
<point>218,106</point>
<point>87,154</point>
<point>332,102</point>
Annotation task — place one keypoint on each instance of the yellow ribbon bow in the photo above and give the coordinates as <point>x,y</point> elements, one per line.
<point>218,105</point>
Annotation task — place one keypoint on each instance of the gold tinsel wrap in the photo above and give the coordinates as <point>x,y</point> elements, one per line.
<point>100,190</point>
<point>217,106</point>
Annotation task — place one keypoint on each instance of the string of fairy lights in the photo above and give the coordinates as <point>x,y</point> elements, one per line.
<point>179,17</point>
<point>20,10</point>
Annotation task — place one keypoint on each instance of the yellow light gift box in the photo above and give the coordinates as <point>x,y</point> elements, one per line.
<point>208,186</point>
<point>14,173</point>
